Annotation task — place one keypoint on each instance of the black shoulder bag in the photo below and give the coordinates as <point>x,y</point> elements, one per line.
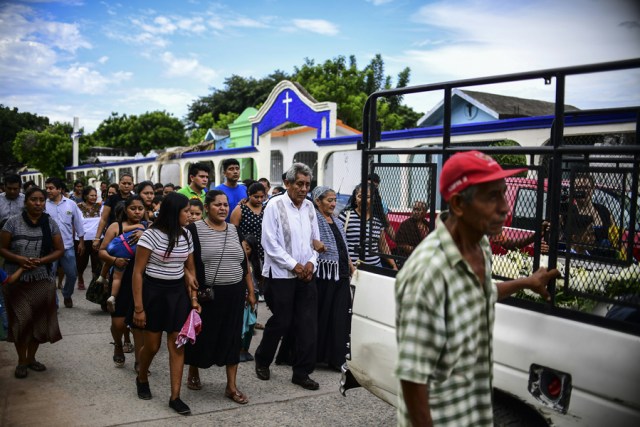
<point>205,292</point>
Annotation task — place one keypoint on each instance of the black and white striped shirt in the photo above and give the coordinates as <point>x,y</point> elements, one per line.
<point>372,236</point>
<point>215,252</point>
<point>165,267</point>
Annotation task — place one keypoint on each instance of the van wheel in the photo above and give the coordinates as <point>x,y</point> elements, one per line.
<point>509,411</point>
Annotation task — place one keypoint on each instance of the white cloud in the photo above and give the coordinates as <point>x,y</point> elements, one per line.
<point>35,55</point>
<point>379,2</point>
<point>478,38</point>
<point>319,26</point>
<point>246,23</point>
<point>103,59</point>
<point>187,67</point>
<point>172,100</point>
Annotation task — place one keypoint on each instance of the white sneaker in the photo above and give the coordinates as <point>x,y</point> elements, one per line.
<point>111,304</point>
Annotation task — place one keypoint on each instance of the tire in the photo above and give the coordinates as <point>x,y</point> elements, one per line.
<point>509,411</point>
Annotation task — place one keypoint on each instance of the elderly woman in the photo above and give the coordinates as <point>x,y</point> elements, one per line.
<point>334,272</point>
<point>221,266</point>
<point>31,241</point>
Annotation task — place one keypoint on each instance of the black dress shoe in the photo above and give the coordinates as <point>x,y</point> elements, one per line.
<point>306,383</point>
<point>262,372</point>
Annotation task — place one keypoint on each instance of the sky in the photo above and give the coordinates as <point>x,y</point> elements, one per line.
<point>89,58</point>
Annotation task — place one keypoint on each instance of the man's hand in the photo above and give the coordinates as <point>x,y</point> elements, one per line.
<point>95,244</point>
<point>298,270</point>
<point>540,279</point>
<point>308,272</point>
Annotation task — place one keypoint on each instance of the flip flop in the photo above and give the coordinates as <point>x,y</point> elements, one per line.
<point>193,383</point>
<point>37,366</point>
<point>21,371</point>
<point>237,397</point>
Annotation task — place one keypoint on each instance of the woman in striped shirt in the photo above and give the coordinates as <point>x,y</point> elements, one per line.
<point>221,264</point>
<point>162,292</point>
<point>375,236</point>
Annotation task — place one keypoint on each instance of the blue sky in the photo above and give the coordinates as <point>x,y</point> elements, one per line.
<point>89,58</point>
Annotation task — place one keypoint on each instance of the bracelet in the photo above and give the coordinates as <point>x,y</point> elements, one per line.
<point>194,298</point>
<point>138,312</point>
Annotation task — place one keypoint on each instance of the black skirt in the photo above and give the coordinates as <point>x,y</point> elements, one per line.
<point>220,340</point>
<point>166,304</point>
<point>334,321</point>
<point>124,299</point>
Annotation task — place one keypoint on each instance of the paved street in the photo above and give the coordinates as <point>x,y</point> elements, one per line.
<point>82,387</point>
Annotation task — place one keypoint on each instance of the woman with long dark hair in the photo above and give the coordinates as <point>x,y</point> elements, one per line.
<point>221,265</point>
<point>31,241</point>
<point>376,224</point>
<point>248,216</point>
<point>129,218</point>
<point>90,209</point>
<point>163,294</point>
<point>146,192</point>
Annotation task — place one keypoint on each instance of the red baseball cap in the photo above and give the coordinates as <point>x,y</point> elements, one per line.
<point>468,168</point>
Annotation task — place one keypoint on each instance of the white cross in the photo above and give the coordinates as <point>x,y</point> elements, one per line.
<point>286,102</point>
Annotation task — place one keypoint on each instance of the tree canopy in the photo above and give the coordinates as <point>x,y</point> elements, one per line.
<point>49,150</point>
<point>338,80</point>
<point>11,123</point>
<point>157,129</point>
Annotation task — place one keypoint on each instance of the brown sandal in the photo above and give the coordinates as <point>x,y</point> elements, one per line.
<point>237,397</point>
<point>193,383</point>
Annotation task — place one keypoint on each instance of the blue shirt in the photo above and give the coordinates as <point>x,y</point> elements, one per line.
<point>235,195</point>
<point>68,217</point>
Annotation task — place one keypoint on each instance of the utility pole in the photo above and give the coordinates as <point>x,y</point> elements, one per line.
<point>75,137</point>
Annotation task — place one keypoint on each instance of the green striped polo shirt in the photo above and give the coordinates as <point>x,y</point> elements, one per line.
<point>444,324</point>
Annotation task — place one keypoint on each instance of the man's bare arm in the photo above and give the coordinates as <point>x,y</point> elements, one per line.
<point>416,397</point>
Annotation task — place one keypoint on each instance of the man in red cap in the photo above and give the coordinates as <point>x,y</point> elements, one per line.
<point>445,300</point>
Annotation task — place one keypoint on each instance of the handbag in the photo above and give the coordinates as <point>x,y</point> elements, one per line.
<point>97,293</point>
<point>205,292</point>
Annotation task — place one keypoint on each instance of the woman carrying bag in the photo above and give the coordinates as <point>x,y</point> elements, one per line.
<point>223,279</point>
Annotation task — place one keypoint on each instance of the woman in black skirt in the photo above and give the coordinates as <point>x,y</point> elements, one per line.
<point>130,216</point>
<point>163,293</point>
<point>220,264</point>
<point>334,271</point>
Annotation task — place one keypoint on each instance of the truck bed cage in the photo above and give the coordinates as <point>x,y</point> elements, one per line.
<point>600,278</point>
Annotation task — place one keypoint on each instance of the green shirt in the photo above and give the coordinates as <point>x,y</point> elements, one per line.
<point>187,191</point>
<point>444,323</point>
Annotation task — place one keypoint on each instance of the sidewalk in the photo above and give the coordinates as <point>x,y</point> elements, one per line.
<point>81,387</point>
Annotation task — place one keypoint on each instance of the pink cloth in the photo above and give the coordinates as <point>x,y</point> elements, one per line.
<point>190,329</point>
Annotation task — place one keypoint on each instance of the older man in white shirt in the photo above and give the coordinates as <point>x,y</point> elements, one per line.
<point>289,227</point>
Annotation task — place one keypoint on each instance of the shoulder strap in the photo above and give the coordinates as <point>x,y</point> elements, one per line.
<point>346,221</point>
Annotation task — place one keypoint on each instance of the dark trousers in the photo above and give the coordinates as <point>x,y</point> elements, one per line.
<point>294,305</point>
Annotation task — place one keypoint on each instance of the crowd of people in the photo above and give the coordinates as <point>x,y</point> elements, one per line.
<point>163,251</point>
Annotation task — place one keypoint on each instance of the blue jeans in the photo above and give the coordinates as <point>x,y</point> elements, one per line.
<point>68,263</point>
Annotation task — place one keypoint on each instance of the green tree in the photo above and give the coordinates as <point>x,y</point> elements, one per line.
<point>238,94</point>
<point>48,151</point>
<point>338,80</point>
<point>157,129</point>
<point>206,122</point>
<point>11,123</point>
<point>510,159</point>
